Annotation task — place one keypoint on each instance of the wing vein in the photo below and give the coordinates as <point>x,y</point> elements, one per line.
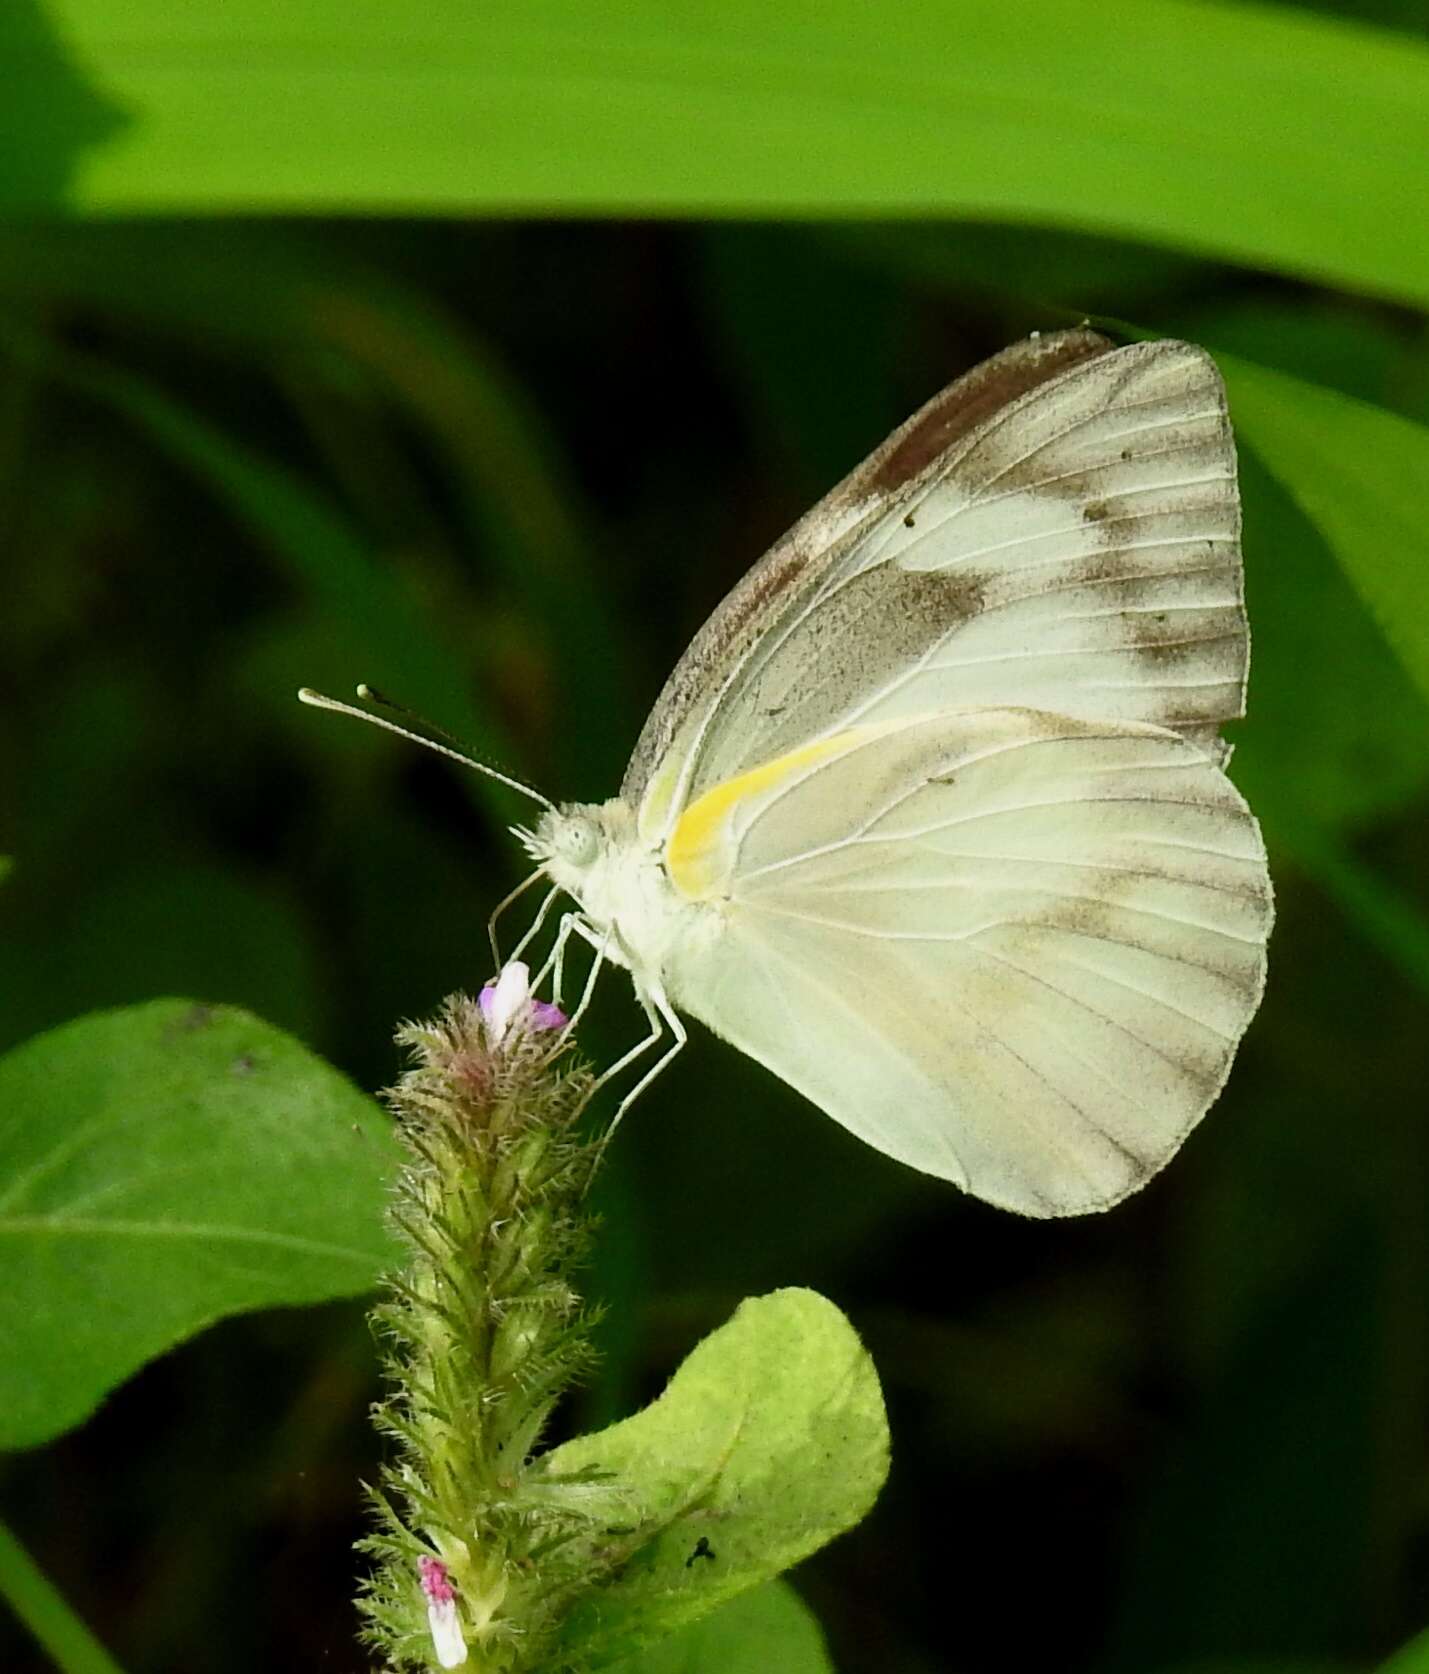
<point>1144,993</point>
<point>1077,1000</point>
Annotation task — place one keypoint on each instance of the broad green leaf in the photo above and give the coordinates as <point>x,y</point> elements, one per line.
<point>1358,472</point>
<point>161,1167</point>
<point>768,1442</point>
<point>1338,753</point>
<point>1329,341</point>
<point>1320,759</point>
<point>768,1631</point>
<point>1318,756</point>
<point>1412,1658</point>
<point>1202,125</point>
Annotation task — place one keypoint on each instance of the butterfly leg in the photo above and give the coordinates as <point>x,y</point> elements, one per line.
<point>535,924</point>
<point>640,1048</point>
<point>555,965</point>
<point>588,992</point>
<point>500,908</point>
<point>659,1010</point>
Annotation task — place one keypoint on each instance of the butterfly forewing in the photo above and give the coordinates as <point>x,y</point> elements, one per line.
<point>802,558</point>
<point>1058,530</point>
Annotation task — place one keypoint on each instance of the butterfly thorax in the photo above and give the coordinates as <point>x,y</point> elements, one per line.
<point>594,852</point>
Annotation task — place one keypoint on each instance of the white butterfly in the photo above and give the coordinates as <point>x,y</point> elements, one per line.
<point>930,818</point>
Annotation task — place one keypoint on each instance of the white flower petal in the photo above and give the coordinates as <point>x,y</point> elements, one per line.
<point>503,1001</point>
<point>446,1632</point>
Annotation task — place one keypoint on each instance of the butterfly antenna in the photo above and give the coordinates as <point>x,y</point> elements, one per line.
<point>319,700</point>
<point>370,694</point>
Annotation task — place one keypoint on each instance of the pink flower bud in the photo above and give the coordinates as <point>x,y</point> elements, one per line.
<point>441,1612</point>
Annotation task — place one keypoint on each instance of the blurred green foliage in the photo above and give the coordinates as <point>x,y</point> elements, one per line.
<point>502,469</point>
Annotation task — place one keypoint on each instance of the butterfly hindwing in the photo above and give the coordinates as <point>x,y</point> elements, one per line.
<point>1023,964</point>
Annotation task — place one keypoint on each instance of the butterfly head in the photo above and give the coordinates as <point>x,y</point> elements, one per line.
<point>591,851</point>
<point>565,837</point>
<point>572,841</point>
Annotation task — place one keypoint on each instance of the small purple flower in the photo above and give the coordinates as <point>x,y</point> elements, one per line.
<point>544,1015</point>
<point>508,1003</point>
<point>441,1612</point>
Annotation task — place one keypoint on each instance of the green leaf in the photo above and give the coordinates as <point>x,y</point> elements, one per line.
<point>769,1441</point>
<point>1204,123</point>
<point>760,1632</point>
<point>1342,753</point>
<point>1318,756</point>
<point>1358,472</point>
<point>1412,1658</point>
<point>161,1167</point>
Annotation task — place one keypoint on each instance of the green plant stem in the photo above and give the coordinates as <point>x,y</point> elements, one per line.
<point>37,1602</point>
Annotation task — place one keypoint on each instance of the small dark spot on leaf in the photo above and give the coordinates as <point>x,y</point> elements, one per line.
<point>1125,454</point>
<point>909,521</point>
<point>702,1550</point>
<point>244,1064</point>
<point>1096,510</point>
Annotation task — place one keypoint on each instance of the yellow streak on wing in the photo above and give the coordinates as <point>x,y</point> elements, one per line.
<point>655,804</point>
<point>697,852</point>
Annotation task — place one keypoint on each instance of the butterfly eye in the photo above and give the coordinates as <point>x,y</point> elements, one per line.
<point>577,841</point>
